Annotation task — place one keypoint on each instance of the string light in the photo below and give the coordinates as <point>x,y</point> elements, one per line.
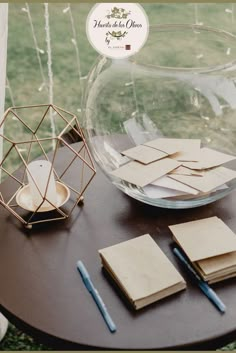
<point>8,86</point>
<point>66,9</point>
<point>74,41</point>
<point>50,73</point>
<point>197,22</point>
<point>38,50</point>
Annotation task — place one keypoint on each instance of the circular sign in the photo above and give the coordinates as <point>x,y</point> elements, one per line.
<point>117,30</point>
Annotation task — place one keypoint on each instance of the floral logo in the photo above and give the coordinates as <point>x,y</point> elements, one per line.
<point>117,30</point>
<point>114,35</point>
<point>118,13</point>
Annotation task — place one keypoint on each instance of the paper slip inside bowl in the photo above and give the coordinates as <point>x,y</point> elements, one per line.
<point>142,175</point>
<point>186,171</point>
<point>204,238</point>
<point>144,154</point>
<point>208,159</point>
<point>209,181</point>
<point>184,149</point>
<point>158,192</point>
<point>170,183</point>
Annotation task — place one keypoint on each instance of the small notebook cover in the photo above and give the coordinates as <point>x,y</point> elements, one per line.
<point>142,175</point>
<point>204,238</point>
<point>144,154</point>
<point>140,268</point>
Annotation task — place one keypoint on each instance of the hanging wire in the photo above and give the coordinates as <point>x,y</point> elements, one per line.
<point>8,86</point>
<point>74,40</point>
<point>50,73</point>
<point>37,49</point>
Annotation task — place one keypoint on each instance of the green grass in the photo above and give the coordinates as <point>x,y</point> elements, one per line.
<point>16,340</point>
<point>25,78</point>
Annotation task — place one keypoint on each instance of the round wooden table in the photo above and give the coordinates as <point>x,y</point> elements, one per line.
<point>43,294</point>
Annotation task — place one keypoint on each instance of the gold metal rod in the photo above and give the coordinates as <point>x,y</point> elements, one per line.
<point>71,162</point>
<point>13,212</point>
<point>42,119</point>
<point>12,176</point>
<point>22,122</point>
<point>9,201</point>
<point>63,110</point>
<point>31,106</point>
<point>4,117</point>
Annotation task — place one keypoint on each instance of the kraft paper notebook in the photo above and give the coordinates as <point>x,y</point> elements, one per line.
<point>141,270</point>
<point>210,245</point>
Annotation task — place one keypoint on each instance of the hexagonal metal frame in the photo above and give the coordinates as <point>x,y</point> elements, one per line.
<point>83,154</point>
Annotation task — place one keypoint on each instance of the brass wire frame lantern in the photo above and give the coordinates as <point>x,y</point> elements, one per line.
<point>30,132</point>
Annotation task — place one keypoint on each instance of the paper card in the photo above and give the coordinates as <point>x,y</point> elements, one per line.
<point>209,181</point>
<point>186,171</point>
<point>204,238</point>
<point>169,183</point>
<point>184,149</point>
<point>141,174</point>
<point>208,159</point>
<point>144,154</point>
<point>158,192</point>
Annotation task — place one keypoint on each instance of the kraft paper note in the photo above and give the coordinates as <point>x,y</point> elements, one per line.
<point>209,181</point>
<point>142,175</point>
<point>184,149</point>
<point>209,158</point>
<point>170,183</point>
<point>144,154</point>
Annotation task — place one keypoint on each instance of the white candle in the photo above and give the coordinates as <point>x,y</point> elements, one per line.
<point>42,183</point>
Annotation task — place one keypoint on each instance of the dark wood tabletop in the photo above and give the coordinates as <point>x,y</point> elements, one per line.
<point>43,294</point>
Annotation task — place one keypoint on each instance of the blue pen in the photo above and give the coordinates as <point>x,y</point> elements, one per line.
<point>205,288</point>
<point>96,297</point>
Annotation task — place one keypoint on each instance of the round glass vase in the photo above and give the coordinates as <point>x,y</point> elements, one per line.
<point>181,84</point>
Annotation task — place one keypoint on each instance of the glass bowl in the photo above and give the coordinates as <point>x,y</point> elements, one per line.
<point>181,84</point>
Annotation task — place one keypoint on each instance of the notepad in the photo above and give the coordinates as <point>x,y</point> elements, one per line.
<point>210,245</point>
<point>141,270</point>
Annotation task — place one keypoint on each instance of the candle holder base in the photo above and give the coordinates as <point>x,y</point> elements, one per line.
<point>24,199</point>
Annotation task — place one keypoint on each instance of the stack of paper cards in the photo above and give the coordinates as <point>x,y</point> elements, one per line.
<point>210,245</point>
<point>173,168</point>
<point>141,270</point>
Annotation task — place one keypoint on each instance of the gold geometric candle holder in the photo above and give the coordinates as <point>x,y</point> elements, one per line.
<point>47,171</point>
